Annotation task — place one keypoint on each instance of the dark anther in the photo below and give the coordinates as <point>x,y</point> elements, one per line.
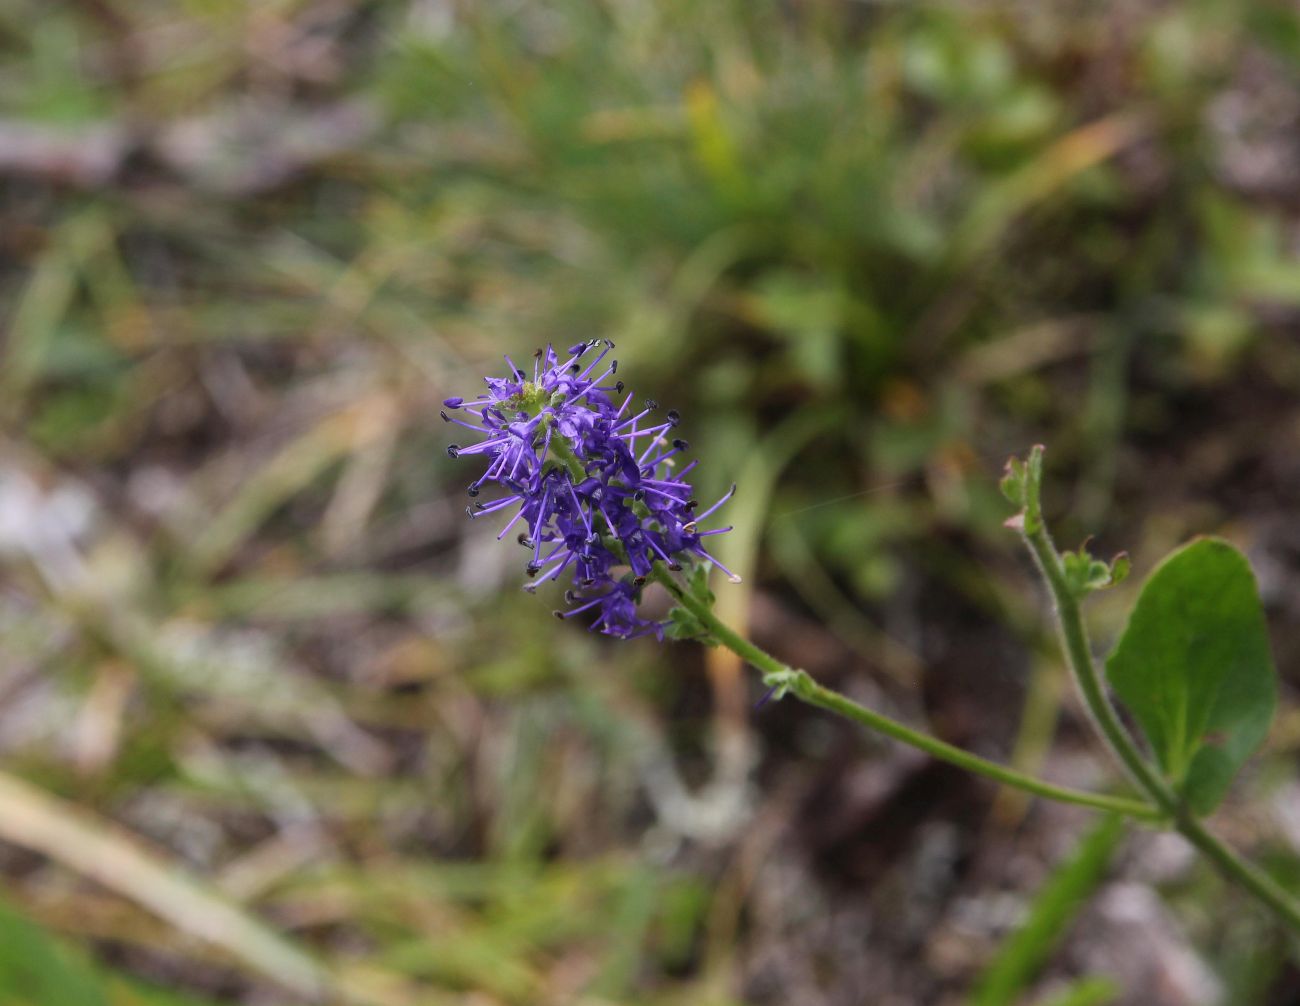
<point>531,569</point>
<point>676,567</point>
<point>453,450</point>
<point>681,445</point>
<point>575,368</point>
<point>520,375</point>
<point>445,418</point>
<point>609,343</point>
<point>570,597</point>
<point>525,541</point>
<point>538,354</point>
<point>651,404</point>
<point>558,614</point>
<point>692,504</point>
<point>613,367</point>
<point>469,511</point>
<point>589,581</point>
<point>472,490</point>
<point>674,416</point>
<point>618,388</point>
<point>480,506</point>
<point>639,495</point>
<point>638,581</point>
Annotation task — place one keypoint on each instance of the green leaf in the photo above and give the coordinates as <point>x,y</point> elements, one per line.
<point>1194,668</point>
<point>34,968</point>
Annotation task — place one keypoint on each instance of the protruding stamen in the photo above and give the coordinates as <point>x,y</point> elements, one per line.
<point>699,550</point>
<point>726,496</point>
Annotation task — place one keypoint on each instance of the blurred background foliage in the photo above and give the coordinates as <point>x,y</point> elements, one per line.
<point>277,723</point>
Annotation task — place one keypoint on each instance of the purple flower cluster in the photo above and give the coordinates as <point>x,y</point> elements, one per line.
<point>598,489</point>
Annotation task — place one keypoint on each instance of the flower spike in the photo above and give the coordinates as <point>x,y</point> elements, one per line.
<point>593,499</point>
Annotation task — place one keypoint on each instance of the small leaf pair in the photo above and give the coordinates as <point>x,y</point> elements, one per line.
<point>1021,485</point>
<point>1084,573</point>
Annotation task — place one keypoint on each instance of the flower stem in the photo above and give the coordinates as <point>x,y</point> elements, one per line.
<point>1074,639</point>
<point>789,680</point>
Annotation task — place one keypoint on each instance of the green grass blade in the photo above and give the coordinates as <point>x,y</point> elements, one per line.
<point>1025,951</point>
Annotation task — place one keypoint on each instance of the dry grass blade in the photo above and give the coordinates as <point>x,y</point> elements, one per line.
<point>43,823</point>
<point>288,472</point>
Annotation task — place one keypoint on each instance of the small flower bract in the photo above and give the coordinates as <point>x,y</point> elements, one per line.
<point>597,488</point>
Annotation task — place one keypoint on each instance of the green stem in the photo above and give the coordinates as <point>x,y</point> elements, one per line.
<point>803,687</point>
<point>1074,640</point>
<point>799,684</point>
<point>1164,803</point>
<point>1078,652</point>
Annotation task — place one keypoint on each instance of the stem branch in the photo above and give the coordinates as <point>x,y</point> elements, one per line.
<point>799,684</point>
<point>1074,640</point>
<point>1164,804</point>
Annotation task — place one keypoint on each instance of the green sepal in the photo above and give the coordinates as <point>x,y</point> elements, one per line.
<point>785,681</point>
<point>682,624</point>
<point>1084,573</point>
<point>697,583</point>
<point>1012,483</point>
